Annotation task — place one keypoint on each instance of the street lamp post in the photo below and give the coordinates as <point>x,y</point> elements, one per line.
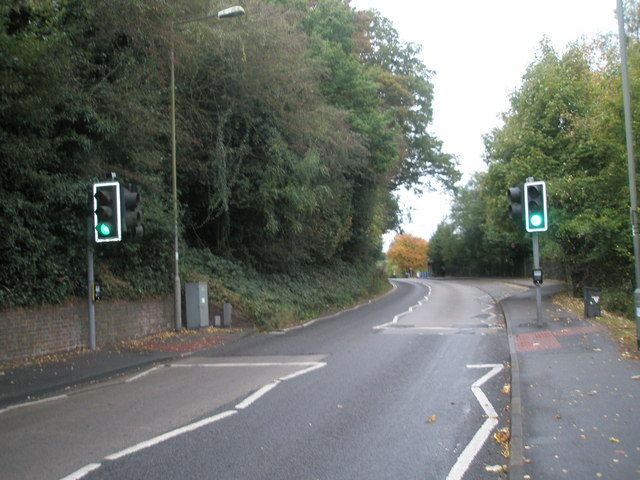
<point>226,13</point>
<point>628,123</point>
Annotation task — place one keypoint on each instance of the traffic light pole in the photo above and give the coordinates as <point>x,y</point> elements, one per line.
<point>90,283</point>
<point>536,266</point>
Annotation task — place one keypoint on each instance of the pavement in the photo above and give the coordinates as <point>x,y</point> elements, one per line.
<point>575,405</point>
<point>49,374</point>
<point>575,400</point>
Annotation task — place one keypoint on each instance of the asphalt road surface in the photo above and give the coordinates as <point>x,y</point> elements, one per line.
<point>406,387</point>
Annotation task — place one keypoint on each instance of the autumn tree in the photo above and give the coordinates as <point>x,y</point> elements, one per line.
<point>409,253</point>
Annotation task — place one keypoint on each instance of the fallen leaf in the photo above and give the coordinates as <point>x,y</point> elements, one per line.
<point>557,416</point>
<point>496,468</point>
<point>431,419</point>
<point>614,440</point>
<point>635,377</point>
<point>506,389</point>
<point>502,437</point>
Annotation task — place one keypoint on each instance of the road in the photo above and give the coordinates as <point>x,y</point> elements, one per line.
<point>405,387</point>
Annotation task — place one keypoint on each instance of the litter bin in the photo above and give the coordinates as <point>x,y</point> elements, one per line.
<point>591,302</point>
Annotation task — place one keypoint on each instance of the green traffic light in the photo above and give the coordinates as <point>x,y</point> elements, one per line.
<point>104,229</point>
<point>535,220</point>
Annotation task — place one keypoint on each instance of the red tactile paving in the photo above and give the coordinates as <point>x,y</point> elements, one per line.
<point>536,341</point>
<point>546,339</point>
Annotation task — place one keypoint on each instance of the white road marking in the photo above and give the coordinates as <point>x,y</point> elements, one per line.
<point>169,435</point>
<point>320,319</point>
<point>251,399</point>
<point>312,366</point>
<point>471,450</point>
<point>270,386</point>
<point>411,309</point>
<point>142,374</point>
<point>491,315</point>
<point>241,364</point>
<point>34,402</point>
<point>78,474</point>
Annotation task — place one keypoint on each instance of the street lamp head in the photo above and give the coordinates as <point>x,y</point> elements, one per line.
<point>236,11</point>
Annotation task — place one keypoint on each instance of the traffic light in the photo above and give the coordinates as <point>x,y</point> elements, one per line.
<point>515,197</point>
<point>106,212</point>
<point>535,205</point>
<point>130,212</point>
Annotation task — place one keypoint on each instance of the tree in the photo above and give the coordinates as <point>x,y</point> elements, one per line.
<point>562,129</point>
<point>409,253</point>
<point>295,124</point>
<point>78,98</point>
<point>564,126</point>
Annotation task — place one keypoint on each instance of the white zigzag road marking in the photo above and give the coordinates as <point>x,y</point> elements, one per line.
<point>471,450</point>
<point>411,309</point>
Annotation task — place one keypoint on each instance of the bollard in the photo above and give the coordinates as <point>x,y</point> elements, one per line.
<point>226,318</point>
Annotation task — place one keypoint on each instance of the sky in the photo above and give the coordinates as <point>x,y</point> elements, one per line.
<point>479,51</point>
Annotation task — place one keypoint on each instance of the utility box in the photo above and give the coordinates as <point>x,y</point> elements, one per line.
<point>197,304</point>
<point>592,298</point>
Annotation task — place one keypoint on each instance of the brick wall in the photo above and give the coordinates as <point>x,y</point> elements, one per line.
<point>27,332</point>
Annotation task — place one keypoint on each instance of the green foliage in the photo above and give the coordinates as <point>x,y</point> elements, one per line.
<point>294,125</point>
<point>558,130</point>
<point>277,300</point>
<point>565,127</point>
<point>470,242</point>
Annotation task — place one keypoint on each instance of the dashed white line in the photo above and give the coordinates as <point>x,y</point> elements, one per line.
<point>79,474</point>
<point>270,386</point>
<point>169,435</point>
